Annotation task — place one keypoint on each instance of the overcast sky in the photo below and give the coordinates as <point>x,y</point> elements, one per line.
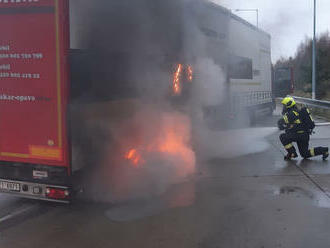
<point>288,21</point>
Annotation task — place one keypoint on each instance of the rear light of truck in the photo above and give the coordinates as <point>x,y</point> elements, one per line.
<point>56,193</point>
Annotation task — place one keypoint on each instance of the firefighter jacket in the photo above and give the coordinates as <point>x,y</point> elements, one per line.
<point>291,122</point>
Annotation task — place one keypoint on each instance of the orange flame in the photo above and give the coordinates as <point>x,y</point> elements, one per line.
<point>170,142</point>
<point>190,73</point>
<point>135,157</point>
<point>176,80</point>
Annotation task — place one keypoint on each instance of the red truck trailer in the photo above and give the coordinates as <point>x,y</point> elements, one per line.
<point>34,144</point>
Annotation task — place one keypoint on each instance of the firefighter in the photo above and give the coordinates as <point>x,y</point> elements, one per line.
<point>298,125</point>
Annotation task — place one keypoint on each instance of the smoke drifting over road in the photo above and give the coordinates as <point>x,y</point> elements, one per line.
<point>233,143</point>
<point>136,141</point>
<point>128,127</point>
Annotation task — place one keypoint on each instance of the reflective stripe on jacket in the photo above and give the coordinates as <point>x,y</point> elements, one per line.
<point>293,122</point>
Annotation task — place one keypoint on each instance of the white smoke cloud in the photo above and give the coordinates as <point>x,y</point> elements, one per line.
<point>209,88</point>
<point>233,143</point>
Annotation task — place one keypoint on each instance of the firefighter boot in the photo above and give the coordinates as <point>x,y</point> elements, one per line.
<point>325,154</point>
<point>290,156</point>
<point>291,152</point>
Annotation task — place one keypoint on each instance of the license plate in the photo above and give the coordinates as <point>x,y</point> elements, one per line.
<point>8,186</point>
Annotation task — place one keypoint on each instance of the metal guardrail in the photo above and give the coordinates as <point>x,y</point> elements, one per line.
<point>312,103</point>
<point>249,99</point>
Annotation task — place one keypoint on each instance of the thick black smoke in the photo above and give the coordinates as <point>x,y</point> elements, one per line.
<point>130,45</point>
<point>124,54</point>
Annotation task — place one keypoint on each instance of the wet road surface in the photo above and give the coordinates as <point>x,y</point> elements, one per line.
<point>257,200</point>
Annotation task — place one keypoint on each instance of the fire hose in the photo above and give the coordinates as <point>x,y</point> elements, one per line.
<point>317,124</point>
<point>321,124</point>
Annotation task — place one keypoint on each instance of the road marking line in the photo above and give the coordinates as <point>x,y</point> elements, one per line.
<point>17,213</point>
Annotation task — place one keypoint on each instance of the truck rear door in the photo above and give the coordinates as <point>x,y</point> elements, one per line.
<point>34,43</point>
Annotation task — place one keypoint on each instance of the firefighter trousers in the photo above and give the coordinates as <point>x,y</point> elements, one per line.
<point>302,140</point>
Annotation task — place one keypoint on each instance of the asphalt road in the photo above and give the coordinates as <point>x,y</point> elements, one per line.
<point>256,200</point>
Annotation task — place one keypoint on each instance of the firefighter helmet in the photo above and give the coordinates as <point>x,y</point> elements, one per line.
<point>289,102</point>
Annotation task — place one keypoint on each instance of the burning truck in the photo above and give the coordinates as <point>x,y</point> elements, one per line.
<point>109,92</point>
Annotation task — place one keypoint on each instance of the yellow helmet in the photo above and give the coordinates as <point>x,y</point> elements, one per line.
<point>289,102</point>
